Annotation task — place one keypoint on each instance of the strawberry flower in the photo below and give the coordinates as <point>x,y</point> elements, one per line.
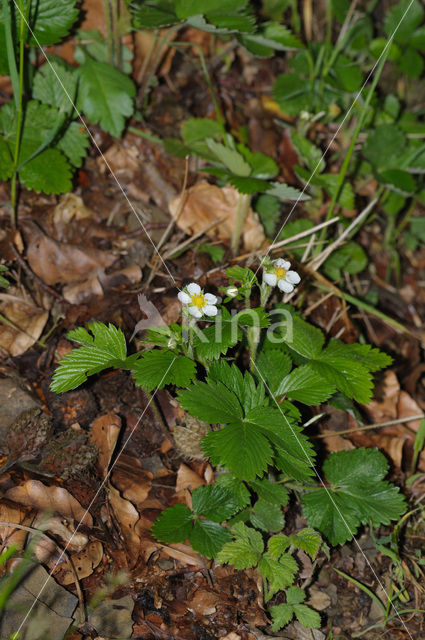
<point>197,302</point>
<point>277,272</point>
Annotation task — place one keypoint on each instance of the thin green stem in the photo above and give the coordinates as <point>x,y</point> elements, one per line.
<point>116,33</point>
<point>10,49</point>
<point>242,210</point>
<point>109,38</point>
<point>406,218</point>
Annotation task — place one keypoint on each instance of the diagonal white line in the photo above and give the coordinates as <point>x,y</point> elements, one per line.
<point>43,586</point>
<point>121,188</point>
<point>330,496</point>
<point>370,74</point>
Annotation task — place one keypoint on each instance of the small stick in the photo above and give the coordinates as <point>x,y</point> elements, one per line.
<point>369,427</point>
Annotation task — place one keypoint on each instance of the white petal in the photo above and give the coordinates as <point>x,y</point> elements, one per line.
<point>293,277</point>
<point>193,288</point>
<point>270,278</point>
<point>210,298</point>
<point>194,311</point>
<point>209,310</point>
<point>285,286</point>
<point>282,264</point>
<point>184,297</point>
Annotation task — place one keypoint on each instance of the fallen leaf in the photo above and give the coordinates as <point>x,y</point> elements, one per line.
<point>74,541</point>
<point>85,562</point>
<point>104,433</point>
<point>34,493</point>
<point>77,293</point>
<point>183,553</point>
<point>203,603</point>
<point>132,481</point>
<point>205,203</point>
<point>187,479</point>
<point>27,322</point>
<point>126,517</point>
<point>13,513</point>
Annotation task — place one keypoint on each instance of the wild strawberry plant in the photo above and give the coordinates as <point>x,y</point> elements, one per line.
<point>256,438</point>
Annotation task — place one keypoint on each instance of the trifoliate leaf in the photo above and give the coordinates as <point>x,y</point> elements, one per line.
<point>272,367</point>
<point>6,162</point>
<point>304,384</point>
<point>351,258</point>
<point>105,349</point>
<point>237,487</point>
<point>306,616</point>
<point>373,359</point>
<point>284,192</point>
<point>357,495</point>
<point>270,491</point>
<point>267,516</point>
<point>51,20</point>
<point>209,537</point>
<point>241,448</point>
<point>174,524</point>
<point>231,158</point>
<point>308,540</point>
<point>74,143</point>
<point>281,614</point>
<point>215,340</point>
<point>279,573</point>
<point>201,401</point>
<point>49,172</point>
<point>245,550</point>
<point>158,368</point>
<point>55,85</point>
<point>305,339</point>
<point>381,145</point>
<point>214,502</point>
<point>105,95</point>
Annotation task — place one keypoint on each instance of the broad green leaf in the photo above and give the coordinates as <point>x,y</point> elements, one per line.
<point>231,158</point>
<point>347,73</point>
<point>272,367</point>
<point>216,252</point>
<point>398,180</point>
<point>304,384</point>
<point>267,516</point>
<point>158,368</point>
<point>373,359</point>
<point>237,487</point>
<point>262,166</point>
<point>104,349</point>
<point>6,162</point>
<point>281,614</point>
<point>357,495</point>
<point>292,93</point>
<point>402,19</point>
<point>209,537</point>
<point>411,63</point>
<point>270,491</point>
<point>268,209</point>
<point>215,340</point>
<point>214,502</point>
<point>55,85</point>
<point>199,129</point>
<point>154,15</point>
<point>306,339</point>
<point>49,172</point>
<point>173,525</point>
<point>278,545</point>
<point>279,573</point>
<point>351,258</point>
<point>240,448</point>
<point>74,143</point>
<point>187,8</point>
<point>249,185</point>
<point>51,20</point>
<point>243,386</point>
<point>284,192</point>
<point>346,194</point>
<point>294,595</point>
<point>201,400</point>
<point>308,617</point>
<point>311,155</point>
<point>308,540</point>
<point>105,95</point>
<point>384,146</point>
<point>245,550</point>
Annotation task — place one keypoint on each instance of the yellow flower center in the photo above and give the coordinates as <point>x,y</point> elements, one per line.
<point>198,300</point>
<point>280,272</point>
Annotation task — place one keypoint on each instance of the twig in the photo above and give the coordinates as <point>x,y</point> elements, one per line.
<point>189,241</point>
<point>369,427</point>
<point>182,202</point>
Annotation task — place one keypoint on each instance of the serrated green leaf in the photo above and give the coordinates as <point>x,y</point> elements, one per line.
<point>49,172</point>
<point>270,491</point>
<point>199,129</point>
<point>214,502</point>
<point>284,192</point>
<point>6,162</point>
<point>307,617</point>
<point>158,368</point>
<point>411,63</point>
<point>279,573</point>
<point>308,540</point>
<point>384,146</point>
<point>304,384</point>
<point>347,74</point>
<point>248,186</point>
<point>51,20</point>
<point>402,19</point>
<point>278,545</point>
<point>201,401</point>
<point>273,366</point>
<point>56,86</point>
<point>294,595</point>
<point>262,166</point>
<point>237,487</point>
<point>291,92</point>
<point>174,524</point>
<point>215,340</point>
<point>105,95</point>
<point>267,516</point>
<point>74,143</point>
<point>106,348</point>
<point>357,495</point>
<point>268,209</point>
<point>311,155</point>
<point>281,614</point>
<point>231,158</point>
<point>305,339</point>
<point>209,537</point>
<point>245,550</point>
<point>153,15</point>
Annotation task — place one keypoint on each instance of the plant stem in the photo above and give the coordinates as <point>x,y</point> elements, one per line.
<point>109,39</point>
<point>243,206</point>
<point>13,188</point>
<point>116,34</point>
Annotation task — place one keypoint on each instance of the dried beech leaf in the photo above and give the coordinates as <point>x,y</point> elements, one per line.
<point>17,514</point>
<point>132,481</point>
<point>85,562</point>
<point>187,479</point>
<point>34,493</point>
<point>104,434</point>
<point>126,517</point>
<point>27,323</point>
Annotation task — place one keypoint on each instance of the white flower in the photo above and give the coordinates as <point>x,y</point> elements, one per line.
<point>198,303</point>
<point>278,273</point>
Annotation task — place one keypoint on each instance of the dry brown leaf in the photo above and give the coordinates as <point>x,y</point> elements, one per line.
<point>27,323</point>
<point>203,603</point>
<point>104,433</point>
<point>384,405</point>
<point>126,518</point>
<point>70,207</point>
<point>406,407</point>
<point>132,481</point>
<point>74,541</point>
<point>34,493</point>
<point>85,562</point>
<point>183,553</point>
<point>13,513</point>
<point>187,479</point>
<point>57,262</point>
<point>205,203</point>
<point>77,293</point>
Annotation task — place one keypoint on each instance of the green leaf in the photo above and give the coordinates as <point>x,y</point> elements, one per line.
<point>291,92</point>
<point>347,73</point>
<point>279,573</point>
<point>267,516</point>
<point>215,252</point>
<point>243,386</point>
<point>284,192</point>
<point>270,491</point>
<point>74,143</point>
<point>105,95</point>
<point>399,181</point>
<point>154,15</point>
<point>268,209</point>
<point>199,129</point>
<point>304,384</point>
<point>200,400</point>
<point>215,340</point>
<point>281,614</point>
<point>307,617</point>
<point>239,447</point>
<point>412,63</point>
<point>402,19</point>
<point>49,172</point>
<point>272,367</point>
<point>173,525</point>
<point>384,146</point>
<point>158,368</point>
<point>248,186</point>
<point>350,258</point>
<point>306,340</point>
<point>262,166</point>
<point>105,349</point>
<point>237,487</point>
<point>214,502</point>
<point>6,162</point>
<point>209,537</point>
<point>308,540</point>
<point>294,595</point>
<point>357,495</point>
<point>231,158</point>
<point>245,550</point>
<point>55,85</point>
<point>311,155</point>
<point>51,20</point>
